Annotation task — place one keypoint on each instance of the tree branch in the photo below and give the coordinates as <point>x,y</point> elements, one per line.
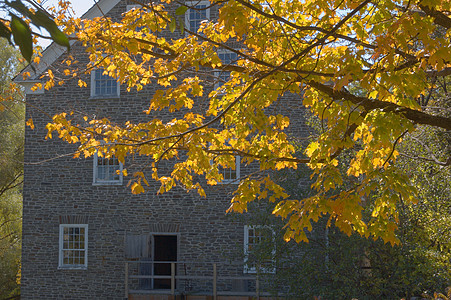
<point>434,160</point>
<point>416,116</point>
<point>11,184</point>
<point>431,155</point>
<point>316,28</point>
<point>439,17</point>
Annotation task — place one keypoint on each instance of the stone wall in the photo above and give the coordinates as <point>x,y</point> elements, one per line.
<point>58,187</point>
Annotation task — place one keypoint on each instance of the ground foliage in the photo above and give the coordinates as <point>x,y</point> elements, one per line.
<point>395,51</point>
<point>11,175</point>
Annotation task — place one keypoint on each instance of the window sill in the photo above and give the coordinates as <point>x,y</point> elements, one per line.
<point>264,271</point>
<point>72,267</point>
<point>107,183</point>
<point>104,97</point>
<point>230,181</point>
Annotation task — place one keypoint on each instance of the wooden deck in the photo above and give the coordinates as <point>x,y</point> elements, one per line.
<point>194,297</point>
<point>175,290</point>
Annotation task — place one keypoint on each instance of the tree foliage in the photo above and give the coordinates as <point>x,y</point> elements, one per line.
<point>16,27</point>
<point>335,266</point>
<point>11,173</point>
<point>318,50</point>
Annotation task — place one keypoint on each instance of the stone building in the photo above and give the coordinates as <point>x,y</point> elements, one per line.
<point>86,236</point>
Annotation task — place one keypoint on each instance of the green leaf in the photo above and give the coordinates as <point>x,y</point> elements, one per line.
<point>173,24</point>
<point>5,32</point>
<point>22,36</point>
<point>42,19</point>
<point>57,35</point>
<point>181,10</point>
<point>182,27</point>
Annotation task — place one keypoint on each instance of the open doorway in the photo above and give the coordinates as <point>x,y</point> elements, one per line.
<point>165,251</point>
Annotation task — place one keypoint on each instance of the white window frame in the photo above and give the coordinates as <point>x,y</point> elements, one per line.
<point>93,86</point>
<point>97,181</point>
<point>252,269</point>
<point>61,264</point>
<point>194,4</point>
<point>237,171</point>
<point>217,73</point>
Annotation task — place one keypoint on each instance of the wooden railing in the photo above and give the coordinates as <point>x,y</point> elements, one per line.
<point>132,273</point>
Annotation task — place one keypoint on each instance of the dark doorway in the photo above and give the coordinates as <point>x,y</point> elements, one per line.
<point>165,250</point>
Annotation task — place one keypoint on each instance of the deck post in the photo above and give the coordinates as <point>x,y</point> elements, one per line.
<point>215,278</point>
<point>257,287</point>
<point>172,278</point>
<point>126,280</point>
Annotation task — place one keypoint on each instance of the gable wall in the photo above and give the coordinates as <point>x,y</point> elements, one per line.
<point>60,187</point>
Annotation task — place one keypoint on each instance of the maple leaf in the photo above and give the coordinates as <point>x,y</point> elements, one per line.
<point>359,70</point>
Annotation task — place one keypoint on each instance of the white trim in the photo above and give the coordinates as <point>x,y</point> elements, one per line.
<point>194,4</point>
<point>53,51</point>
<point>101,8</point>
<point>237,172</point>
<point>252,269</point>
<point>49,56</point>
<point>95,169</point>
<point>61,249</point>
<point>28,87</point>
<point>103,96</point>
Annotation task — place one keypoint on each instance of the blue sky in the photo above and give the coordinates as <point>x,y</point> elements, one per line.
<point>79,6</point>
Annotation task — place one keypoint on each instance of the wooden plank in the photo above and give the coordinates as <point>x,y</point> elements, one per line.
<point>172,278</point>
<point>126,281</point>
<point>257,288</point>
<point>187,277</point>
<point>215,279</point>
<point>137,246</point>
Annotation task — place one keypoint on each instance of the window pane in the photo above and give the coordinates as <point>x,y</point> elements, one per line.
<point>260,249</point>
<point>107,169</point>
<point>104,84</point>
<point>196,16</point>
<point>74,246</point>
<point>227,58</point>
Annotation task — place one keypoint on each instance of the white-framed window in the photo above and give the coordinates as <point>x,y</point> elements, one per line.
<point>231,175</point>
<point>227,58</point>
<point>103,85</point>
<point>259,249</point>
<point>73,246</point>
<point>107,171</point>
<point>194,17</point>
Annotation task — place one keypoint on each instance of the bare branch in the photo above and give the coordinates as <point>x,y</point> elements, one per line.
<point>12,183</point>
<point>434,160</point>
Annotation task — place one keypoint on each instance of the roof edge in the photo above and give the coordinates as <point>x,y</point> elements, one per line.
<point>54,51</point>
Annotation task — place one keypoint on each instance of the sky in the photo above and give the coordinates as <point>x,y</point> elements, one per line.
<point>79,6</point>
